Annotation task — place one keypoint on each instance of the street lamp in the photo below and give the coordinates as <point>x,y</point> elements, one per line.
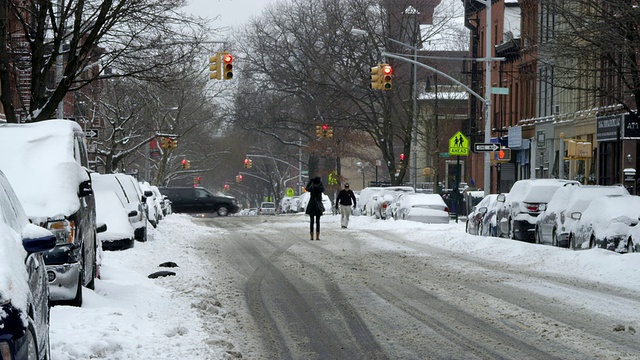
<point>414,137</point>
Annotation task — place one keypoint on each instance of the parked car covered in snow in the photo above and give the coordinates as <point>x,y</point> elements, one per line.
<point>609,222</point>
<point>554,224</point>
<point>516,216</point>
<point>48,168</point>
<point>112,212</point>
<point>482,218</point>
<point>24,292</point>
<point>426,208</point>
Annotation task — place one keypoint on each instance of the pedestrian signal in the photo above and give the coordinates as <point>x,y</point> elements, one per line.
<point>504,154</point>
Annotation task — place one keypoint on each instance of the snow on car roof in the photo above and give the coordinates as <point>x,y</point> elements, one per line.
<point>41,166</point>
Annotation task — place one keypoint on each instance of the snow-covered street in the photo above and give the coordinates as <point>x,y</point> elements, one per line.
<point>192,315</point>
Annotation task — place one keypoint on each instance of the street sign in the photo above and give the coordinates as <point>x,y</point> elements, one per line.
<point>478,147</point>
<point>300,183</point>
<point>91,133</point>
<point>459,145</point>
<point>500,90</point>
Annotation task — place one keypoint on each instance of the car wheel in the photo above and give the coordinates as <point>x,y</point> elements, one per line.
<point>592,241</point>
<point>222,211</point>
<point>480,230</point>
<point>510,232</point>
<point>630,247</point>
<point>32,351</point>
<point>92,284</point>
<point>554,238</point>
<point>538,237</point>
<point>77,300</point>
<point>572,242</point>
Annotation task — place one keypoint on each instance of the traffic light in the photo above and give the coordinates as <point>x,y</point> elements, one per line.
<point>246,163</point>
<point>376,77</point>
<point>226,187</point>
<point>330,132</point>
<point>325,130</point>
<point>186,164</point>
<point>387,75</point>
<point>250,163</point>
<point>172,143</point>
<point>227,66</point>
<point>214,67</point>
<point>238,178</point>
<point>164,142</point>
<point>318,131</point>
<point>196,180</point>
<point>401,159</point>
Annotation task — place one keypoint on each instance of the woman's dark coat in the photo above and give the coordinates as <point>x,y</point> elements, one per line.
<point>315,189</point>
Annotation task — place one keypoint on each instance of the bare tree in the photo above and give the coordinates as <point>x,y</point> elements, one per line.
<point>592,47</point>
<point>84,40</point>
<point>310,70</point>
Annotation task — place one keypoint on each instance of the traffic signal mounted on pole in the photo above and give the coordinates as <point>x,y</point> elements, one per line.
<point>173,143</point>
<point>401,159</point>
<point>227,66</point>
<point>318,131</point>
<point>381,77</point>
<point>330,132</point>
<point>164,142</point>
<point>196,180</point>
<point>238,178</point>
<point>325,130</point>
<point>214,67</point>
<point>387,75</point>
<point>186,164</point>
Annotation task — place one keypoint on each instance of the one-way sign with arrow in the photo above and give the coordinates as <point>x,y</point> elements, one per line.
<point>480,147</point>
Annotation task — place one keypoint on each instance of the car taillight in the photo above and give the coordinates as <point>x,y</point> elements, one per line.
<point>446,209</point>
<point>384,205</point>
<point>64,231</point>
<point>531,207</point>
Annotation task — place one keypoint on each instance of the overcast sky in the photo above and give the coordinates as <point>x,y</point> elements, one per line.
<point>231,12</point>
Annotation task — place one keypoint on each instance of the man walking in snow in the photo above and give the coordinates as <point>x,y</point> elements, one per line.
<point>345,200</point>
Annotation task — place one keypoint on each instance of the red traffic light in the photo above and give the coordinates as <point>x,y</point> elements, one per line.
<point>387,70</point>
<point>227,58</point>
<point>184,161</point>
<point>401,157</point>
<point>325,127</point>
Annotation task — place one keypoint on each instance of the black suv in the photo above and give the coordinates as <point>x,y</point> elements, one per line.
<point>198,200</point>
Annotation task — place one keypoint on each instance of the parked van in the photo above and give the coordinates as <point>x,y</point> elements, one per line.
<point>47,164</point>
<point>199,200</point>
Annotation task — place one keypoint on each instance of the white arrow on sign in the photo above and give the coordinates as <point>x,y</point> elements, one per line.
<point>91,133</point>
<point>485,147</point>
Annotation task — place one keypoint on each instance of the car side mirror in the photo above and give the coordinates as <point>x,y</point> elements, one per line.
<point>102,227</point>
<point>85,189</point>
<point>148,193</point>
<point>133,213</point>
<point>501,198</point>
<point>576,215</point>
<point>483,210</point>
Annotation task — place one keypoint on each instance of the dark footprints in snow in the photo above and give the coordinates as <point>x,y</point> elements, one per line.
<point>168,264</point>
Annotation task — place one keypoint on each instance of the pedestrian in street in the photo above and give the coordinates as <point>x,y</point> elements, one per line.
<point>345,200</point>
<point>315,208</point>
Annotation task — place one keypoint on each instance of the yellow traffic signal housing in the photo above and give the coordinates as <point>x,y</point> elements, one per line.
<point>227,66</point>
<point>318,131</point>
<point>173,143</point>
<point>214,67</point>
<point>376,78</point>
<point>164,143</point>
<point>325,130</point>
<point>329,131</point>
<point>386,76</point>
<point>250,163</point>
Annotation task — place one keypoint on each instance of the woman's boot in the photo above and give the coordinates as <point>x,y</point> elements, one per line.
<point>311,236</point>
<point>318,235</point>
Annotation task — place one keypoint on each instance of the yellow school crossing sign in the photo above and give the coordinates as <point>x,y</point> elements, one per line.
<point>459,145</point>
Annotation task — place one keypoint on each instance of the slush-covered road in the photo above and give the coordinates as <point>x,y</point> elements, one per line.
<point>365,294</point>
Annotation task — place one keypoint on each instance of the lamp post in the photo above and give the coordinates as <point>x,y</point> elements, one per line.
<point>414,137</point>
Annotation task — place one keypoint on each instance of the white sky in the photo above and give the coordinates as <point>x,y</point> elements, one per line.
<point>129,316</point>
<point>232,12</point>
